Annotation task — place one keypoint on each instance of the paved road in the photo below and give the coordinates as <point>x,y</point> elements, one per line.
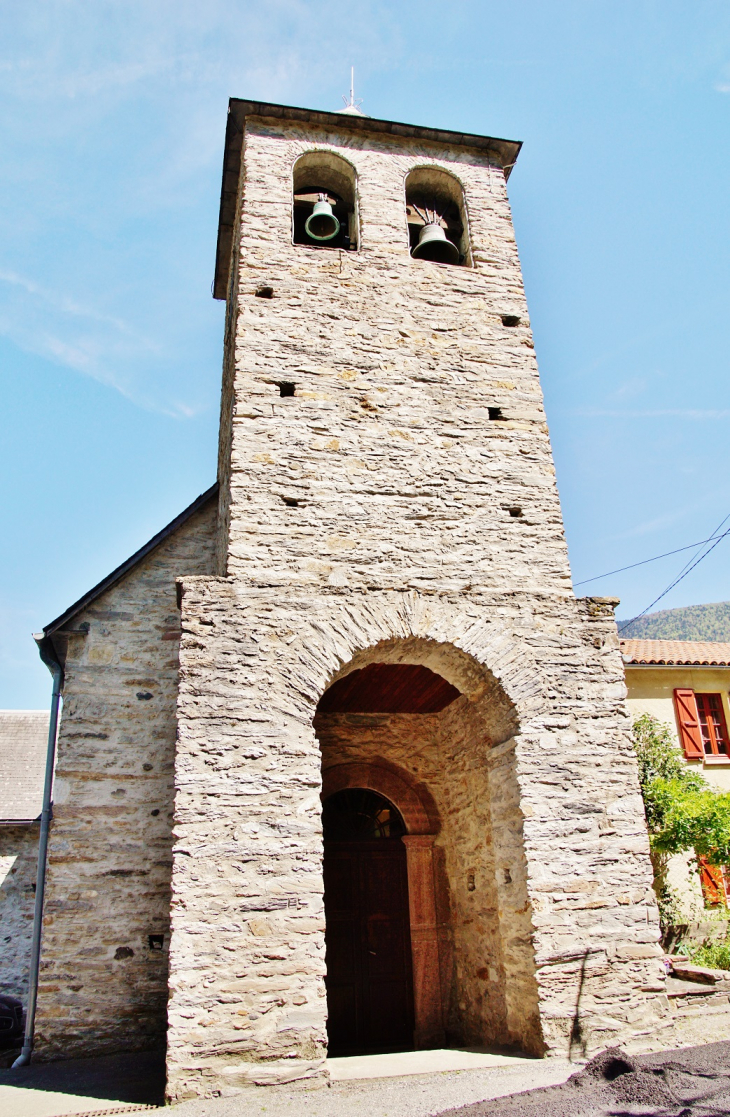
<point>690,1082</point>
<point>392,1084</point>
<point>74,1086</point>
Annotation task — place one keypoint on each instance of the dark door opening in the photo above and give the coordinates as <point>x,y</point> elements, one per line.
<point>368,937</point>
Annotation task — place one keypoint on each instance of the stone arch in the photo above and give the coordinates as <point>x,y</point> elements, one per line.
<point>415,803</point>
<point>388,627</point>
<point>426,883</point>
<point>465,758</point>
<point>430,184</point>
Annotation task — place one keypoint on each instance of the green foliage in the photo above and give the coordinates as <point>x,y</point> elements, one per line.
<point>693,622</point>
<point>658,755</point>
<point>671,912</point>
<point>682,810</point>
<point>715,955</point>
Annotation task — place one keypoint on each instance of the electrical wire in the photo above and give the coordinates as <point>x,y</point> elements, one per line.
<point>713,536</point>
<point>687,569</point>
<point>633,565</point>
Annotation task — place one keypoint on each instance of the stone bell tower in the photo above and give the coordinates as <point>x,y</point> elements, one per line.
<point>393,616</point>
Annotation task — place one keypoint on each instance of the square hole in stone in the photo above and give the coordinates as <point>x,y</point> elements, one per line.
<point>511,320</point>
<point>286,388</point>
<point>495,413</point>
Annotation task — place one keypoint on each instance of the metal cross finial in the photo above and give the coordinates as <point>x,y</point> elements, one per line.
<point>352,106</point>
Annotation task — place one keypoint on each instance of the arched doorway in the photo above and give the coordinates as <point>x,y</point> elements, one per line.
<point>368,938</point>
<point>436,740</point>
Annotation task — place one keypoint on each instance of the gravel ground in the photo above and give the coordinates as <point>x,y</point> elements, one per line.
<point>689,1082</point>
<point>414,1095</point>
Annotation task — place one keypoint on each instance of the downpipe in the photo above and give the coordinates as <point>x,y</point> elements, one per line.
<point>48,656</point>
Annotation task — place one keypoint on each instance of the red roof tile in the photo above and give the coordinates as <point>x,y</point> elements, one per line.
<point>680,652</point>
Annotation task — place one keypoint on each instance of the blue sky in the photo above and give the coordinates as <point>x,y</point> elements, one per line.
<point>111,136</point>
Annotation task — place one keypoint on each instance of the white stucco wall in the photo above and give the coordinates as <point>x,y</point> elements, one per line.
<point>650,691</point>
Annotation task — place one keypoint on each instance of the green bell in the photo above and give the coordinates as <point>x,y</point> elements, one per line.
<point>322,224</point>
<point>433,244</point>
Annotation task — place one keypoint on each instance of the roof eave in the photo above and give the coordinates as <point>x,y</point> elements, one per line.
<point>505,151</point>
<point>687,663</point>
<point>54,633</point>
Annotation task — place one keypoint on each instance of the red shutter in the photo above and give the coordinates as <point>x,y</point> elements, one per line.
<point>712,881</point>
<point>685,705</point>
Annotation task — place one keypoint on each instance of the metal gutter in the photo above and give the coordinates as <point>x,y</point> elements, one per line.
<point>48,655</point>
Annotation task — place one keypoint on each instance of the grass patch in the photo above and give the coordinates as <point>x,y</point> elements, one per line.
<point>714,955</point>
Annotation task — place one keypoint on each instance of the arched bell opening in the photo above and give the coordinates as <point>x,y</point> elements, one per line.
<point>324,202</point>
<point>435,740</point>
<point>436,217</point>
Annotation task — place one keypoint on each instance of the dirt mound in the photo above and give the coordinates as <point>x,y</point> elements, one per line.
<point>689,1082</point>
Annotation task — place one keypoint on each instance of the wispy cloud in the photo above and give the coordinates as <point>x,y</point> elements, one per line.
<point>113,143</point>
<point>65,304</point>
<point>653,413</point>
<point>80,337</point>
<point>656,523</point>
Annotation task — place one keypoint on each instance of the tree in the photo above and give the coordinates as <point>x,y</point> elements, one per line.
<point>683,812</point>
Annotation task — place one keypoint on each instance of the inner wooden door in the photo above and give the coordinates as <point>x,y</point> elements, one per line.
<point>369,970</point>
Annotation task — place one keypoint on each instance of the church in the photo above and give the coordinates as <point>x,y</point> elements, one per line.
<point>344,765</point>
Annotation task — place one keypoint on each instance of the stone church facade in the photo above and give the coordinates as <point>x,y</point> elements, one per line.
<point>374,600</point>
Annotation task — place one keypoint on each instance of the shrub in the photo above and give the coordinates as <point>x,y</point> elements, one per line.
<point>682,811</point>
<point>716,955</point>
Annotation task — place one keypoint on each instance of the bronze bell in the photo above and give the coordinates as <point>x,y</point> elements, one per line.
<point>433,244</point>
<point>322,224</point>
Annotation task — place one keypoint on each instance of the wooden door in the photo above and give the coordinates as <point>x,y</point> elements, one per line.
<point>369,974</point>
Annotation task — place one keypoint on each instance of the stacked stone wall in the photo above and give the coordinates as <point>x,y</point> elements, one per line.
<point>18,862</point>
<point>384,468</point>
<point>405,492</point>
<point>248,1001</point>
<point>103,983</point>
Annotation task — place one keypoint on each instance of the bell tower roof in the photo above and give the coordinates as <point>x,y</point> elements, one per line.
<point>504,151</point>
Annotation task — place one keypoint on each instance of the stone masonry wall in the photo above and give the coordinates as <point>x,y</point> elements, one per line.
<point>402,502</point>
<point>102,987</point>
<point>247,956</point>
<point>384,469</point>
<point>18,863</point>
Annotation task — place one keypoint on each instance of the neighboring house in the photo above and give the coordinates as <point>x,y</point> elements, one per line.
<point>686,685</point>
<point>23,741</point>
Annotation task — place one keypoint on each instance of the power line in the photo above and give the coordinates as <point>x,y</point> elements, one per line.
<point>689,547</point>
<point>683,574</point>
<point>713,536</point>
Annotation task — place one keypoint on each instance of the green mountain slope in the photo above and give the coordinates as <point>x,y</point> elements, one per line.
<point>694,622</point>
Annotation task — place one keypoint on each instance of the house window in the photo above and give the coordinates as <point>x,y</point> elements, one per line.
<point>712,724</point>
<point>701,723</point>
<point>324,213</point>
